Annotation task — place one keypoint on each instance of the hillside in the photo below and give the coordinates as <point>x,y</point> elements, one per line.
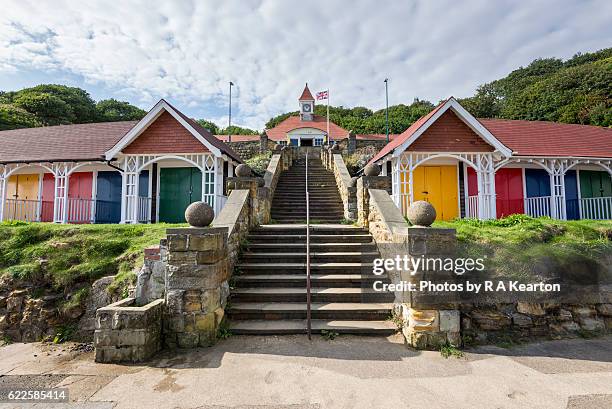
<point>577,91</point>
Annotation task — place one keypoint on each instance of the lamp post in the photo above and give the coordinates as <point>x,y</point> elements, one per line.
<point>387,109</point>
<point>229,122</point>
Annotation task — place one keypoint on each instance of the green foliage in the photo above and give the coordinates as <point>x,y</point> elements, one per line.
<point>448,351</point>
<point>523,248</point>
<point>111,110</point>
<point>259,163</point>
<point>63,333</point>
<point>51,104</point>
<point>13,117</point>
<point>329,335</point>
<point>224,331</point>
<point>209,125</point>
<point>62,255</point>
<point>237,130</point>
<point>575,91</point>
<point>51,110</point>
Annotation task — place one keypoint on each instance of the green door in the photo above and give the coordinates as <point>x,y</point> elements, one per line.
<point>178,187</point>
<point>595,184</point>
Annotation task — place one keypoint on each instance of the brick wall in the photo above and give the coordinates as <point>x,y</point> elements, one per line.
<point>165,135</point>
<point>450,134</point>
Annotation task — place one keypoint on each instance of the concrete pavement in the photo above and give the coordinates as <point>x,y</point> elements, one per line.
<point>348,372</point>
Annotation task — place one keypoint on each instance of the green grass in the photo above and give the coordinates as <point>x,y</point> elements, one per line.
<point>59,256</point>
<point>521,247</point>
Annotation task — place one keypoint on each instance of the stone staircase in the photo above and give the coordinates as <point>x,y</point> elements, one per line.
<point>268,295</point>
<point>289,202</point>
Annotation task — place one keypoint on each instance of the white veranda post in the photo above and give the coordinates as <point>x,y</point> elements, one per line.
<point>485,174</point>
<point>3,181</point>
<point>60,205</point>
<point>129,190</point>
<point>557,169</point>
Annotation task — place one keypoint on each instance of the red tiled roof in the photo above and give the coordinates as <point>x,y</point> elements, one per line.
<point>238,138</point>
<point>279,132</point>
<point>306,95</point>
<point>376,136</point>
<point>539,138</point>
<point>62,142</point>
<point>404,136</point>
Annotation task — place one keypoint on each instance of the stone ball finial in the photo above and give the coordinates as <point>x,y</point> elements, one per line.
<point>354,181</point>
<point>335,147</point>
<point>278,147</point>
<point>243,171</point>
<point>421,213</point>
<point>372,170</point>
<point>199,214</point>
<point>286,148</point>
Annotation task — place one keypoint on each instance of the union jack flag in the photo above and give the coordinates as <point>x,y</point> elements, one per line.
<point>322,95</point>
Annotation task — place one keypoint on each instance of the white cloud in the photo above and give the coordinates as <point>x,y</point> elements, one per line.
<point>188,51</point>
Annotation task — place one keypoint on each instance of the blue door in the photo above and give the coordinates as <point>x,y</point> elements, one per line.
<point>108,197</point>
<point>571,195</point>
<point>537,182</point>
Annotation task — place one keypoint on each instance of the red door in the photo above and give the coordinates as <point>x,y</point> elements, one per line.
<point>48,197</point>
<point>79,197</point>
<point>509,190</point>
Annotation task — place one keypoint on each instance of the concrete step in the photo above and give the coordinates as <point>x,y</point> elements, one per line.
<point>299,280</point>
<point>318,294</point>
<point>287,327</point>
<point>300,268</point>
<point>316,247</point>
<point>314,238</point>
<point>279,311</point>
<point>315,257</point>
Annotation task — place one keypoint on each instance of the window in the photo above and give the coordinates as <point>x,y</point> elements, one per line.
<point>318,141</point>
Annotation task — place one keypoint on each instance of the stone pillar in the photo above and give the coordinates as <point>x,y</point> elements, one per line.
<point>430,319</point>
<point>197,285</point>
<point>363,198</point>
<point>263,142</point>
<point>352,143</point>
<point>258,197</point>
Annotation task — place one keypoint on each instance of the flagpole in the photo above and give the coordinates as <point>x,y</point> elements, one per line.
<point>328,139</point>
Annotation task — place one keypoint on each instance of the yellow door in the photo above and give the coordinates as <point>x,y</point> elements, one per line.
<point>438,186</point>
<point>22,187</point>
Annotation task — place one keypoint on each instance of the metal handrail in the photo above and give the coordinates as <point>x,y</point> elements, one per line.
<point>308,298</point>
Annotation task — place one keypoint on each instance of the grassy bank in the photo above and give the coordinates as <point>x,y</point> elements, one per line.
<point>62,255</point>
<point>523,247</point>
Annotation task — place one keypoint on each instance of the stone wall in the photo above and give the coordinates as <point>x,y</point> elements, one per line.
<point>248,149</point>
<point>520,321</point>
<point>334,162</point>
<point>30,312</point>
<point>126,332</point>
<point>197,287</point>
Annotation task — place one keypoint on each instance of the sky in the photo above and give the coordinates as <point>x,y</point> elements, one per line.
<point>188,51</point>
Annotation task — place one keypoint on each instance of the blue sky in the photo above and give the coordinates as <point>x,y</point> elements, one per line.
<point>187,52</point>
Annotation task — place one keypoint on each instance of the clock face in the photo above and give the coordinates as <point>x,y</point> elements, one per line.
<point>306,107</point>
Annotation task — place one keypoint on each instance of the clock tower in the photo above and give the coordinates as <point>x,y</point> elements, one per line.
<point>306,102</point>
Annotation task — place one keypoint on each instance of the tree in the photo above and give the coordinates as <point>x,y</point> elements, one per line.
<point>111,110</point>
<point>238,130</point>
<point>49,109</point>
<point>209,125</point>
<point>81,104</point>
<point>12,117</point>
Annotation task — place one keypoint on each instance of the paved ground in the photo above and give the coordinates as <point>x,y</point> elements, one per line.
<point>348,372</point>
